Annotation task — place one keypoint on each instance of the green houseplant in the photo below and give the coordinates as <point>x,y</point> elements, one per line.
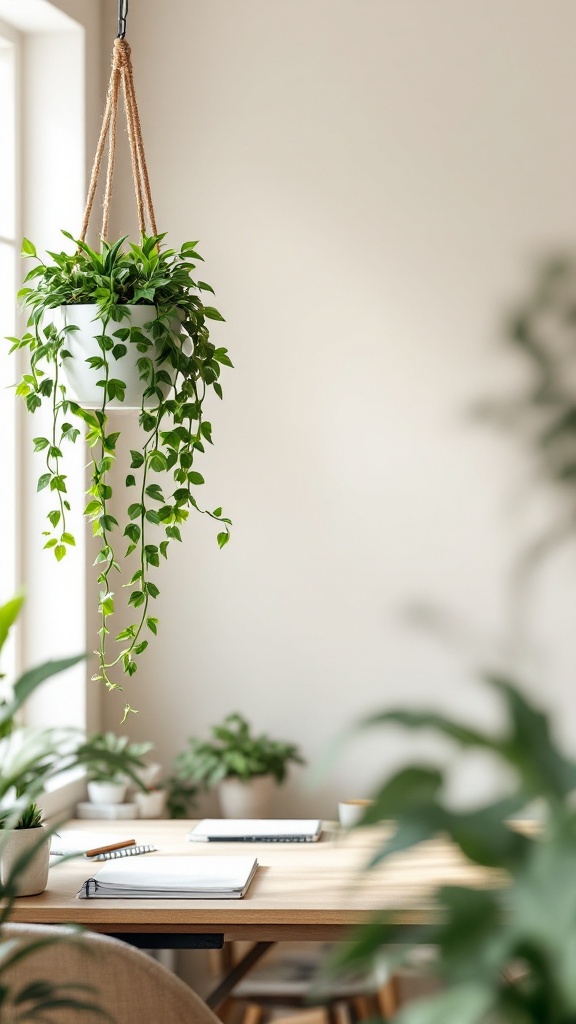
<point>22,777</point>
<point>142,312</point>
<point>107,780</point>
<point>505,952</point>
<point>234,758</point>
<point>31,758</point>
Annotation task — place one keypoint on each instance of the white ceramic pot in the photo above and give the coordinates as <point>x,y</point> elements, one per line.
<point>106,792</point>
<point>151,805</point>
<point>247,799</point>
<point>33,879</point>
<point>81,378</point>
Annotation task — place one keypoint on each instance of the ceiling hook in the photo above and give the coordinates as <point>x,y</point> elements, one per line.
<point>122,15</point>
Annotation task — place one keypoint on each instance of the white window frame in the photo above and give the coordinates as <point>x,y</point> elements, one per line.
<point>10,573</point>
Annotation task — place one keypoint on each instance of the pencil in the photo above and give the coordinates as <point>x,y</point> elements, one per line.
<point>113,846</point>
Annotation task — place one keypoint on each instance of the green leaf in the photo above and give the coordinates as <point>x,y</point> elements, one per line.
<point>43,481</point>
<point>67,538</point>
<point>130,480</point>
<point>40,443</point>
<point>135,510</point>
<point>60,551</point>
<point>9,612</point>
<point>195,478</point>
<point>28,248</point>
<point>54,517</point>
<point>152,625</point>
<point>466,1004</point>
<point>137,460</point>
<point>223,539</point>
<point>212,313</point>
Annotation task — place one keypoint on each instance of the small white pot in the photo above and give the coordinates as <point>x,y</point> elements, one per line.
<point>151,805</point>
<point>15,842</point>
<point>247,799</point>
<point>106,792</point>
<point>81,379</point>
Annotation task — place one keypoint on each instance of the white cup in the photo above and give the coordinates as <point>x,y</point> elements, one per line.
<point>350,811</point>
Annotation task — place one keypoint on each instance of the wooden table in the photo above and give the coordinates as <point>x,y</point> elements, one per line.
<point>304,891</point>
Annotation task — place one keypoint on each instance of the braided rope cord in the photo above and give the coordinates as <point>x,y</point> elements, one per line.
<point>121,74</point>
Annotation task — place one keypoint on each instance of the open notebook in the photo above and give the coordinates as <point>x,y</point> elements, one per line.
<point>256,830</point>
<point>172,878</point>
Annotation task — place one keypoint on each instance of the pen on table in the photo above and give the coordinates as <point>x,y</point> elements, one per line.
<point>112,846</point>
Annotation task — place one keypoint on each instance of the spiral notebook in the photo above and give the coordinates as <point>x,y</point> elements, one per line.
<point>191,877</point>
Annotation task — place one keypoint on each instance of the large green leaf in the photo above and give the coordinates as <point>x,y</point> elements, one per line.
<point>29,682</point>
<point>9,612</point>
<point>466,1004</point>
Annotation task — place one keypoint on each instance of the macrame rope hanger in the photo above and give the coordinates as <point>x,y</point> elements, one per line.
<point>121,75</point>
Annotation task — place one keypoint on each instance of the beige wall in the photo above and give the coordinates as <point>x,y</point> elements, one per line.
<point>370,181</point>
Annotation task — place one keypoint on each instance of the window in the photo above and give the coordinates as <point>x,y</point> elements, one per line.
<point>9,246</point>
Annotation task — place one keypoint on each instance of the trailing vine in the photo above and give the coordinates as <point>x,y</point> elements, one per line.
<point>178,366</point>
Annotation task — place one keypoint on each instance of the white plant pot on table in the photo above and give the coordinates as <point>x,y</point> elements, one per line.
<point>250,798</point>
<point>82,380</point>
<point>100,792</point>
<point>16,842</point>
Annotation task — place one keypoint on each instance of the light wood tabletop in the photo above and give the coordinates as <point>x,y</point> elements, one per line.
<point>313,891</point>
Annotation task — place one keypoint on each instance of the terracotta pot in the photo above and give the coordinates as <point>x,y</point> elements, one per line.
<point>13,844</point>
<point>247,799</point>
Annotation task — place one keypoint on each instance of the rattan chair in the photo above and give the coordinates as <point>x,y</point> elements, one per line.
<point>131,986</point>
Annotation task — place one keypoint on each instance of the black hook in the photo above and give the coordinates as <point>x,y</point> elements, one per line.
<point>122,15</point>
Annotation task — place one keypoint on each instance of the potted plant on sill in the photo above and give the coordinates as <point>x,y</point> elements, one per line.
<point>151,798</point>
<point>108,780</point>
<point>245,768</point>
<point>130,323</point>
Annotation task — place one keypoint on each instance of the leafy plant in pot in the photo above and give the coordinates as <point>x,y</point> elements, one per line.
<point>141,309</point>
<point>124,327</point>
<point>108,780</point>
<point>245,767</point>
<point>30,759</point>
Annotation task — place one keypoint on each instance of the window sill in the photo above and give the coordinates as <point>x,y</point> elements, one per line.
<point>61,797</point>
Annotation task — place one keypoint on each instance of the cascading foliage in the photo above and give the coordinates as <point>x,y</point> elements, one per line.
<point>178,366</point>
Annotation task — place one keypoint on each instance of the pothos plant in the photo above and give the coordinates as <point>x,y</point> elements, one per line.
<point>178,366</point>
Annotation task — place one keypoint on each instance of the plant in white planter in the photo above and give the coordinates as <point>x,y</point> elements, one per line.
<point>246,768</point>
<point>27,836</point>
<point>108,780</point>
<point>108,330</point>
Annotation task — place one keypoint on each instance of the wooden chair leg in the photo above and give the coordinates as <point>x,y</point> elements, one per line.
<point>254,1014</point>
<point>365,1007</point>
<point>388,998</point>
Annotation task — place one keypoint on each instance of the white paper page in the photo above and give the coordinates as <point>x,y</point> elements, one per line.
<point>180,873</point>
<point>69,841</point>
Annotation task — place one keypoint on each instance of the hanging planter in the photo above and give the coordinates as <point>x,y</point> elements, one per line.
<point>81,376</point>
<point>123,328</point>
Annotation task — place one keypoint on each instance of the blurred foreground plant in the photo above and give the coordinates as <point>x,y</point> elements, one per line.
<point>507,954</point>
<point>23,772</point>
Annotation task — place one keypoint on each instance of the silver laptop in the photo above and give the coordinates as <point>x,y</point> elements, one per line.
<point>256,830</point>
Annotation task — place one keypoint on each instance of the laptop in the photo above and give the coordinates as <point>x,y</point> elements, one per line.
<point>256,830</point>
